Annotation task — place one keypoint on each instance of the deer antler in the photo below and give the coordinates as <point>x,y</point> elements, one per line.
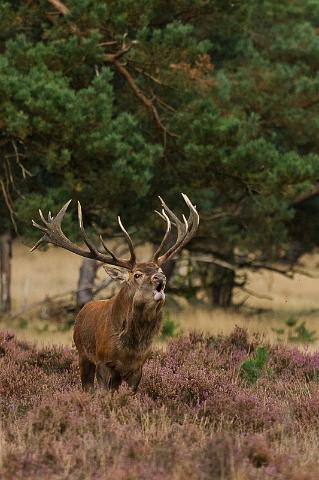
<point>185,230</point>
<point>53,234</point>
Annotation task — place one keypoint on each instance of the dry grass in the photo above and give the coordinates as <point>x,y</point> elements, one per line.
<point>55,271</point>
<point>194,416</point>
<point>37,275</point>
<point>222,322</point>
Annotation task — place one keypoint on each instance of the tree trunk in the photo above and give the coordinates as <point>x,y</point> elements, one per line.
<point>86,282</point>
<point>221,287</point>
<point>5,272</point>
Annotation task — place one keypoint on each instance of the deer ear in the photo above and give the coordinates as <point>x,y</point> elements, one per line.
<point>117,273</point>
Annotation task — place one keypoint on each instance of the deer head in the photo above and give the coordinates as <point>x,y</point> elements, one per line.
<point>146,281</point>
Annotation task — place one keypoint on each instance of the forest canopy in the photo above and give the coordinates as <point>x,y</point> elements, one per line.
<point>113,103</point>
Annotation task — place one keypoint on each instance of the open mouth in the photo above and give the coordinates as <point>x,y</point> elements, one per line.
<point>159,291</point>
<point>159,287</point>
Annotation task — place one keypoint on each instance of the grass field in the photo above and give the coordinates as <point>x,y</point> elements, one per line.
<point>195,416</point>
<point>55,271</point>
<point>202,412</point>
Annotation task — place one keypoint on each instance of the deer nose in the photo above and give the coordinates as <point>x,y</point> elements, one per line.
<point>159,279</point>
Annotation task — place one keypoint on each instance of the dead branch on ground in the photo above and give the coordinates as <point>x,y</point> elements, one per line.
<point>101,286</point>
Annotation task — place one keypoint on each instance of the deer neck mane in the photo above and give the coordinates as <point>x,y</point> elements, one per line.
<point>140,322</point>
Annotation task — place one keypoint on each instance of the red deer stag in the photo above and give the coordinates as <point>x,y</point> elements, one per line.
<point>113,337</point>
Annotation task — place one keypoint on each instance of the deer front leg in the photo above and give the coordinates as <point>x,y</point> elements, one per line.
<point>107,377</point>
<point>134,378</point>
<point>87,372</point>
<point>103,375</point>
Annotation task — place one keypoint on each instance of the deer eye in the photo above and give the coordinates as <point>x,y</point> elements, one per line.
<point>137,275</point>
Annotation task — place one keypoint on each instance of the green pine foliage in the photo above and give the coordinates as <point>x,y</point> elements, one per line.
<point>169,328</point>
<point>252,368</point>
<point>235,87</point>
<point>296,331</point>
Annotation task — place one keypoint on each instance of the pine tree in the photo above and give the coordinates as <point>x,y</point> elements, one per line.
<point>113,103</point>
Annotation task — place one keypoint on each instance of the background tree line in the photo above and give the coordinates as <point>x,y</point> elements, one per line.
<point>112,103</point>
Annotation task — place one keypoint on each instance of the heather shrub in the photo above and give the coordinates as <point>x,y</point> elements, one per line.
<point>306,408</point>
<point>294,363</point>
<point>238,339</point>
<point>219,457</point>
<point>193,416</point>
<point>257,450</point>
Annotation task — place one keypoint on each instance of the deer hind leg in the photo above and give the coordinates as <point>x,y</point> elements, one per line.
<point>87,372</point>
<point>107,377</point>
<point>115,380</point>
<point>133,380</point>
<point>103,375</point>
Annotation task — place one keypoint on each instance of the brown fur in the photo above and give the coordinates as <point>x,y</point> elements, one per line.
<point>113,337</point>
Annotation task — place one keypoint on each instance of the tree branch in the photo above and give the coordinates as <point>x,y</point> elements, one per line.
<point>255,294</point>
<point>8,203</point>
<point>214,260</point>
<point>252,265</point>
<point>59,6</point>
<point>113,58</point>
<point>25,171</point>
<point>122,70</point>
<point>104,284</point>
<point>148,75</point>
<point>314,192</point>
<point>164,104</point>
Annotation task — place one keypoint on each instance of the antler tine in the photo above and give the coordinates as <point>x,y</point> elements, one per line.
<point>52,229</point>
<point>185,231</point>
<point>107,249</point>
<point>52,221</point>
<point>175,220</point>
<point>53,234</point>
<point>174,248</point>
<point>168,229</point>
<point>42,218</point>
<point>132,260</point>
<point>160,214</point>
<point>60,215</point>
<point>47,225</point>
<point>39,242</point>
<point>193,215</point>
<point>86,239</point>
<point>170,213</point>
<point>185,222</point>
<point>40,227</point>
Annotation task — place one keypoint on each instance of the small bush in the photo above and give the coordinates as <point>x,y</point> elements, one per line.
<point>252,368</point>
<point>169,328</point>
<point>295,332</point>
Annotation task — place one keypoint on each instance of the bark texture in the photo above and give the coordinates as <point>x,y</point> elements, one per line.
<point>5,272</point>
<point>86,281</point>
<point>222,286</point>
